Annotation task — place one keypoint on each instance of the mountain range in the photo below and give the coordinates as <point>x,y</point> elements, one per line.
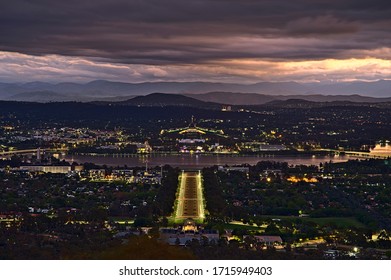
<point>225,93</point>
<point>164,99</point>
<point>178,100</point>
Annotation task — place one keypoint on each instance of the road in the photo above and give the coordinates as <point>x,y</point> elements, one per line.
<point>31,151</point>
<point>190,201</point>
<point>353,153</point>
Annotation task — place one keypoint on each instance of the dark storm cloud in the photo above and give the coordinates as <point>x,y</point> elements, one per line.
<point>177,31</point>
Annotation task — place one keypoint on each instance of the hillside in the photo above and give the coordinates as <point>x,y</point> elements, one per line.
<point>268,91</point>
<point>233,98</point>
<point>164,99</point>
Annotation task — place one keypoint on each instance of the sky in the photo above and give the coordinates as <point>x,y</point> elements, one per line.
<point>240,41</point>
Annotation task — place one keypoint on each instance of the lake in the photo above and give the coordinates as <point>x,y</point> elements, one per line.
<point>199,160</point>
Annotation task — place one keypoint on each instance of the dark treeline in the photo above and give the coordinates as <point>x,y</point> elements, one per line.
<point>167,192</point>
<point>215,202</point>
<point>369,166</point>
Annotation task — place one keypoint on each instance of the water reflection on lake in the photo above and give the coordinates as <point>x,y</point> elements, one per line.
<point>198,161</point>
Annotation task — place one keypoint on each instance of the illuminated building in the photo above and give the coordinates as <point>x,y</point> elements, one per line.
<point>262,147</point>
<point>144,148</point>
<point>193,138</point>
<point>227,108</point>
<point>47,168</point>
<point>188,233</point>
<point>381,149</point>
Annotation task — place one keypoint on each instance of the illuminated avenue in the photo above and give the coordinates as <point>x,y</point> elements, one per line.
<point>190,201</point>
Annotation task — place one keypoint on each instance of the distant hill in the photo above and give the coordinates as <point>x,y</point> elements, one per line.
<point>232,98</point>
<point>39,96</point>
<point>49,96</point>
<point>211,92</point>
<point>164,99</point>
<point>101,88</point>
<point>301,103</point>
<point>380,88</point>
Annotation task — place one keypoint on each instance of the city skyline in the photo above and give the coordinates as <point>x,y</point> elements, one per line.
<point>202,130</point>
<point>215,41</point>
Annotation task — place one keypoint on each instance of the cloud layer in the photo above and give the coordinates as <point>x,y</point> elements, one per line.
<point>248,40</point>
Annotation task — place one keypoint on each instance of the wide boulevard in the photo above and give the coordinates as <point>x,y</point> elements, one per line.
<point>190,201</point>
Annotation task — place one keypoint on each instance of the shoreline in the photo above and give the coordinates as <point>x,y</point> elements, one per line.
<point>202,160</point>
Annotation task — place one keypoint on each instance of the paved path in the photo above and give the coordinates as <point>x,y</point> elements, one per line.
<point>190,201</point>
